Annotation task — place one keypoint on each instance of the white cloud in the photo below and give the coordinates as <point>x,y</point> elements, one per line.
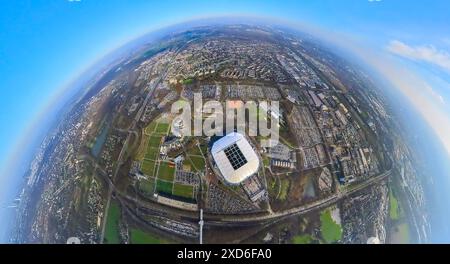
<point>439,98</point>
<point>406,81</point>
<point>427,54</point>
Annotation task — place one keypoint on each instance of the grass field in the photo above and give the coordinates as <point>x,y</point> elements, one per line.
<point>163,186</point>
<point>273,186</point>
<point>266,161</point>
<point>150,128</point>
<point>204,148</point>
<point>195,150</point>
<point>284,189</point>
<point>188,81</point>
<point>147,186</point>
<point>182,190</point>
<point>197,163</point>
<point>162,128</point>
<point>154,142</point>
<point>112,224</point>
<point>330,230</point>
<point>166,171</point>
<point>142,150</point>
<point>152,153</point>
<point>138,236</point>
<point>302,239</point>
<point>394,208</point>
<point>147,167</point>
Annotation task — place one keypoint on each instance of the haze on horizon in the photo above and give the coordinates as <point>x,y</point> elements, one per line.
<point>410,50</point>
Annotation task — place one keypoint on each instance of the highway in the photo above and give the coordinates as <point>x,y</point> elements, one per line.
<point>304,208</point>
<point>125,147</point>
<point>211,219</point>
<point>220,220</point>
<point>252,219</point>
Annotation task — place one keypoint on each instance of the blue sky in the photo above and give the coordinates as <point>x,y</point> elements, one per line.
<point>46,44</point>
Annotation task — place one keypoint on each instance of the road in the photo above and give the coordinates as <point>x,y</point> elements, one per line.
<point>252,219</point>
<point>305,208</point>
<point>125,147</point>
<point>213,219</point>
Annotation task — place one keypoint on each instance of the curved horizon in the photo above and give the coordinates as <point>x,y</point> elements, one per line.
<point>440,121</point>
<point>301,24</point>
<point>399,63</point>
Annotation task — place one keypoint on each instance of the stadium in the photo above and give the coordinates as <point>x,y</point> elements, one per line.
<point>235,158</point>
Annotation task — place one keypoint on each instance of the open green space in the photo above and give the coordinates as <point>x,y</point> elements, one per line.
<point>147,186</point>
<point>204,148</point>
<point>150,128</point>
<point>188,81</point>
<point>162,128</point>
<point>394,208</point>
<point>151,154</point>
<point>154,142</point>
<point>302,239</point>
<point>330,230</point>
<point>273,186</point>
<point>284,189</point>
<point>138,236</point>
<point>164,186</point>
<point>197,162</point>
<point>182,190</point>
<point>166,171</point>
<point>147,167</point>
<point>266,161</point>
<point>112,235</point>
<point>194,150</point>
<point>142,150</point>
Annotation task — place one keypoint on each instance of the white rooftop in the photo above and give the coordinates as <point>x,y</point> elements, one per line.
<point>235,158</point>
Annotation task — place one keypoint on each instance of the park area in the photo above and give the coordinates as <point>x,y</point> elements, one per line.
<point>112,235</point>
<point>138,236</point>
<point>330,230</point>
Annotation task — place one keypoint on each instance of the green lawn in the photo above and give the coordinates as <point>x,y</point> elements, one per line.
<point>394,209</point>
<point>302,239</point>
<point>147,186</point>
<point>163,186</point>
<point>152,153</point>
<point>112,224</point>
<point>154,142</point>
<point>284,189</point>
<point>166,171</point>
<point>266,161</point>
<point>147,167</point>
<point>198,162</point>
<point>188,81</point>
<point>195,150</point>
<point>138,236</point>
<point>162,128</point>
<point>150,128</point>
<point>142,150</point>
<point>182,190</point>
<point>330,230</point>
<point>204,148</point>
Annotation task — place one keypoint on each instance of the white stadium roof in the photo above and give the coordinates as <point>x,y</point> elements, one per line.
<point>235,158</point>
